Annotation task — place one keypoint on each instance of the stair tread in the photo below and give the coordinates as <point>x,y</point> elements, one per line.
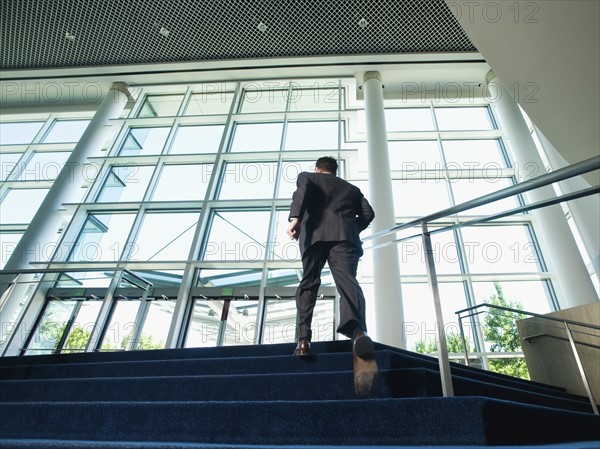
<point>403,382</point>
<point>381,421</point>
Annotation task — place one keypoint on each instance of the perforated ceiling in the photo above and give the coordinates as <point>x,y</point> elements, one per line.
<point>74,33</point>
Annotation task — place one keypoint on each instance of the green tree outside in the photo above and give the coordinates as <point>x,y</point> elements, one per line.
<point>453,343</point>
<point>499,329</point>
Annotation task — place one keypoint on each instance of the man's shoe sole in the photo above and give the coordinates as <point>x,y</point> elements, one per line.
<point>365,367</point>
<point>365,376</point>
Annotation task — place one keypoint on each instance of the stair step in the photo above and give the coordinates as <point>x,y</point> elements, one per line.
<point>394,383</point>
<point>464,421</point>
<point>247,387</point>
<point>221,365</point>
<point>182,353</point>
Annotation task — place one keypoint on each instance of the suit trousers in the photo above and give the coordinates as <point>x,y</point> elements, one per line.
<point>343,262</point>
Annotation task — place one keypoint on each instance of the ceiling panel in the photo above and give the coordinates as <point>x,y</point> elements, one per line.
<point>39,34</point>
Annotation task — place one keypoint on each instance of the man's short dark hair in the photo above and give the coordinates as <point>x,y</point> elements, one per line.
<point>327,163</point>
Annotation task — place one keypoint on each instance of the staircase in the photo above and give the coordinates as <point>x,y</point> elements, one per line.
<point>262,396</point>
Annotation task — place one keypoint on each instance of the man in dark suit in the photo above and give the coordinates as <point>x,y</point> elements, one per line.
<point>326,217</point>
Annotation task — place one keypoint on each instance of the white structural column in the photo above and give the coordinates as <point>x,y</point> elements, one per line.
<point>585,211</point>
<point>389,314</point>
<point>574,287</point>
<point>66,188</point>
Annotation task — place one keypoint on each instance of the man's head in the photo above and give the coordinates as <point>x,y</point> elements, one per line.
<point>326,164</point>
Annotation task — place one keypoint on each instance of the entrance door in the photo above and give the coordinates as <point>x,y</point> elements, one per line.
<point>65,326</point>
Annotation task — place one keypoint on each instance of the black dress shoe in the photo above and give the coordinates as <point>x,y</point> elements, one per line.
<point>365,365</point>
<point>303,348</point>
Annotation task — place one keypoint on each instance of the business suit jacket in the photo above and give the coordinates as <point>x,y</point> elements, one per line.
<point>329,209</point>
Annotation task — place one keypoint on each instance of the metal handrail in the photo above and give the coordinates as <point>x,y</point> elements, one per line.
<point>525,312</point>
<point>565,322</point>
<point>570,171</point>
<point>517,210</point>
<point>545,334</point>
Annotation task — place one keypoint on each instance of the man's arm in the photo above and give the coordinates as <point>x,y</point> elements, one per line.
<point>365,215</point>
<point>298,205</point>
<point>293,230</point>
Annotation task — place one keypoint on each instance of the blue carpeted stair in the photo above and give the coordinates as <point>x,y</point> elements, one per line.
<point>259,396</point>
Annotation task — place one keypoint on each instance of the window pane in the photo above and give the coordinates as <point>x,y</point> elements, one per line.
<point>289,174</point>
<point>532,295</point>
<point>323,324</point>
<point>416,198</point>
<point>264,101</point>
<point>122,326</point>
<point>312,136</point>
<point>290,277</point>
<point>500,249</point>
<point>161,106</point>
<point>473,154</point>
<point>66,131</point>
<point>144,141</point>
<point>419,313</point>
<point>468,189</point>
<point>156,326</point>
<point>90,279</point>
<point>445,254</point>
<point>237,236</point>
<point>209,104</point>
<point>326,99</point>
<point>248,180</point>
<point>20,206</point>
<point>240,328</point>
<point>418,119</point>
<point>165,236</point>
<point>51,328</point>
<point>452,119</point>
<point>19,133</point>
<point>283,247</point>
<point>257,137</point>
<point>197,139</point>
<point>102,237</point>
<point>414,155</point>
<point>125,183</point>
<point>208,277</point>
<point>194,178</point>
<point>8,161</point>
<point>161,278</point>
<point>82,327</point>
<point>280,321</point>
<point>203,329</point>
<point>44,166</point>
<point>8,242</point>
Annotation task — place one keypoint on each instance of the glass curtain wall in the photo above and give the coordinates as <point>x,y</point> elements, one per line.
<point>198,181</point>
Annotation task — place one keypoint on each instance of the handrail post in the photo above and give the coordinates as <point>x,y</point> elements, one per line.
<point>581,370</point>
<point>444,362</point>
<point>464,340</point>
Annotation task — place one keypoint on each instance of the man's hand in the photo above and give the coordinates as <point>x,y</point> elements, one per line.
<point>294,229</point>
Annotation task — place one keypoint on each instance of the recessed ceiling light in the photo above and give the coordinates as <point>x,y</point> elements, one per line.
<point>262,27</point>
<point>363,23</point>
<point>164,32</point>
<point>70,37</point>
